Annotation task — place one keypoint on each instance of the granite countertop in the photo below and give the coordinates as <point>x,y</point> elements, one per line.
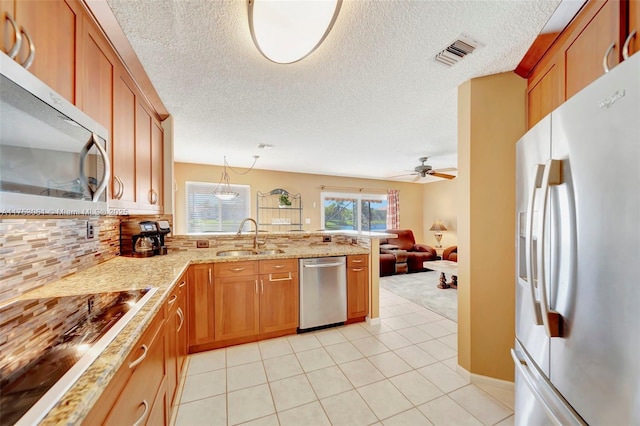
<point>125,273</point>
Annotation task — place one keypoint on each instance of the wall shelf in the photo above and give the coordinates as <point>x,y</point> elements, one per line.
<point>272,216</point>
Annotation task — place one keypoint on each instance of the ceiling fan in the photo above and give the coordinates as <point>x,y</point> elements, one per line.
<point>423,170</point>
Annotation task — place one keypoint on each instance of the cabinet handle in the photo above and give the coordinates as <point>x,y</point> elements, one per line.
<point>209,276</point>
<point>261,287</point>
<point>256,283</point>
<point>140,358</point>
<point>289,278</point>
<point>625,48</point>
<point>182,284</point>
<point>117,193</point>
<point>18,43</point>
<point>358,269</point>
<point>175,185</point>
<point>237,269</point>
<point>278,266</point>
<point>605,60</point>
<point>32,49</point>
<point>357,261</point>
<point>173,299</point>
<point>181,315</point>
<point>144,415</point>
<point>153,197</point>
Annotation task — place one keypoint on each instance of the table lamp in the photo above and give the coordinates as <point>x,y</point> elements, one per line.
<point>438,226</point>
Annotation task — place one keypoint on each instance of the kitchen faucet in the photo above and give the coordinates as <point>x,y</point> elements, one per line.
<point>256,243</point>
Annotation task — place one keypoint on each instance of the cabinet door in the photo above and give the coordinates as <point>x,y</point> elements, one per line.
<point>143,156</point>
<point>171,336</point>
<point>545,94</point>
<point>357,292</point>
<point>585,55</point>
<point>157,140</point>
<point>183,338</point>
<point>52,26</point>
<point>123,143</point>
<point>237,305</point>
<point>95,95</point>
<point>279,301</point>
<point>634,24</point>
<point>200,321</point>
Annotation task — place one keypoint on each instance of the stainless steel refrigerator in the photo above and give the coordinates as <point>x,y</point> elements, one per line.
<point>577,348</point>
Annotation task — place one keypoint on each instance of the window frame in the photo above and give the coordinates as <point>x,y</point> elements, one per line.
<point>243,190</point>
<point>357,196</point>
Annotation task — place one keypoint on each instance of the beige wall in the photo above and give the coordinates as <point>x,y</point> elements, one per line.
<point>308,185</point>
<point>441,202</point>
<point>491,118</point>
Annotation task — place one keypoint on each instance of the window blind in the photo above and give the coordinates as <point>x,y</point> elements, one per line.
<point>207,213</point>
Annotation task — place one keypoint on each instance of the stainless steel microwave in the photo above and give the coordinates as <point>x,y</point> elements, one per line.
<point>53,157</point>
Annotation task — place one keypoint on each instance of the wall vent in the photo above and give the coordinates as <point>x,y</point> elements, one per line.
<point>457,50</point>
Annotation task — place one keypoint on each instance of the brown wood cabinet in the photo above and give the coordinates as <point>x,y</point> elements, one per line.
<point>576,58</point>
<point>176,338</point>
<point>137,390</point>
<point>634,25</point>
<point>236,300</point>
<point>74,57</point>
<point>53,26</point>
<point>357,287</point>
<point>279,295</point>
<point>200,318</point>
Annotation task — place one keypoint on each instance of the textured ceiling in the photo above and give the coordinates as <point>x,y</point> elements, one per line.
<point>367,103</point>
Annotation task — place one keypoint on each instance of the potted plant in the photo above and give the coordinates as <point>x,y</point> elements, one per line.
<point>284,201</point>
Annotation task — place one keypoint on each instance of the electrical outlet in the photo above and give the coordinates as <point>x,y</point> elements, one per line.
<point>90,302</point>
<point>89,230</point>
<point>354,241</point>
<point>326,238</point>
<point>202,244</point>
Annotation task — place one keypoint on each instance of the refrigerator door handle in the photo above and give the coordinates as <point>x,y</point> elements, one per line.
<point>537,183</point>
<point>558,411</point>
<point>552,320</point>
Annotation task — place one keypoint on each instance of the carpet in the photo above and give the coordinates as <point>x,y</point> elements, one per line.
<point>421,288</point>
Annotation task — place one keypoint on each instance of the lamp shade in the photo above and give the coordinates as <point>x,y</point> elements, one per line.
<point>438,226</point>
<point>285,31</point>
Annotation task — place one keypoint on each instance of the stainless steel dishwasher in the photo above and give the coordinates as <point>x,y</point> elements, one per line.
<point>323,292</point>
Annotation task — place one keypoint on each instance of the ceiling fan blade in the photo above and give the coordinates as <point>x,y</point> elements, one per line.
<point>447,169</point>
<point>442,175</point>
<point>417,178</point>
<point>399,176</point>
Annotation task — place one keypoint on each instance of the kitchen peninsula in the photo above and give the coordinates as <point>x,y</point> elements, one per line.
<point>168,273</point>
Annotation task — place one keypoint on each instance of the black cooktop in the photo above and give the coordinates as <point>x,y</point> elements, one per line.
<point>21,389</point>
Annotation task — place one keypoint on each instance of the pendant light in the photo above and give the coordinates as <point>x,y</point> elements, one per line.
<point>223,190</point>
<point>286,31</point>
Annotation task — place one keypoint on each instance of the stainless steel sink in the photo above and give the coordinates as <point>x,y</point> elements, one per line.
<point>231,253</point>
<point>228,253</point>
<point>268,252</point>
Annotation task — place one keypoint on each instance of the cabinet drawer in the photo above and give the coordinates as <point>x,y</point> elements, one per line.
<point>235,269</point>
<point>357,260</point>
<point>278,265</point>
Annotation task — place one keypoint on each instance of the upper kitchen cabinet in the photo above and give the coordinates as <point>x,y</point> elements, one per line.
<point>49,32</point>
<point>634,25</point>
<point>580,54</point>
<point>148,160</point>
<point>123,160</point>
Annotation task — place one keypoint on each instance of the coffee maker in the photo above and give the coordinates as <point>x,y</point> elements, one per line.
<point>139,239</point>
<point>163,229</point>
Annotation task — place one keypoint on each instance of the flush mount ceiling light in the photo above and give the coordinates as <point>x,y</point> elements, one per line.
<point>285,31</point>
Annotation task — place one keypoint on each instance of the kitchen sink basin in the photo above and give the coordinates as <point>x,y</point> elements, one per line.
<point>267,252</point>
<point>231,253</point>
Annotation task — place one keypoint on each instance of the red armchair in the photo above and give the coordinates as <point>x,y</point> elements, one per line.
<point>416,253</point>
<point>450,253</point>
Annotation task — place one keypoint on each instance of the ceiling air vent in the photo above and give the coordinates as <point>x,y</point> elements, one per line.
<point>461,47</point>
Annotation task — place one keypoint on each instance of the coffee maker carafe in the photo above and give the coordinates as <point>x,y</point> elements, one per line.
<point>139,239</point>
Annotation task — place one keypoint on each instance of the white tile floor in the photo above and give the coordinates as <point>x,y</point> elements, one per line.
<point>401,372</point>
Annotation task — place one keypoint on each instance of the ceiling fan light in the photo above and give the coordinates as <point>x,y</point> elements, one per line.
<point>285,31</point>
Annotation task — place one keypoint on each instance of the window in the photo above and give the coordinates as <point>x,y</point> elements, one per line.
<point>358,212</point>
<point>207,213</point>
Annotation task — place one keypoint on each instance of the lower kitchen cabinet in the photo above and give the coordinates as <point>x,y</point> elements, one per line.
<point>279,295</point>
<point>137,392</point>
<point>357,287</point>
<point>236,300</point>
<point>200,318</point>
<point>176,338</point>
